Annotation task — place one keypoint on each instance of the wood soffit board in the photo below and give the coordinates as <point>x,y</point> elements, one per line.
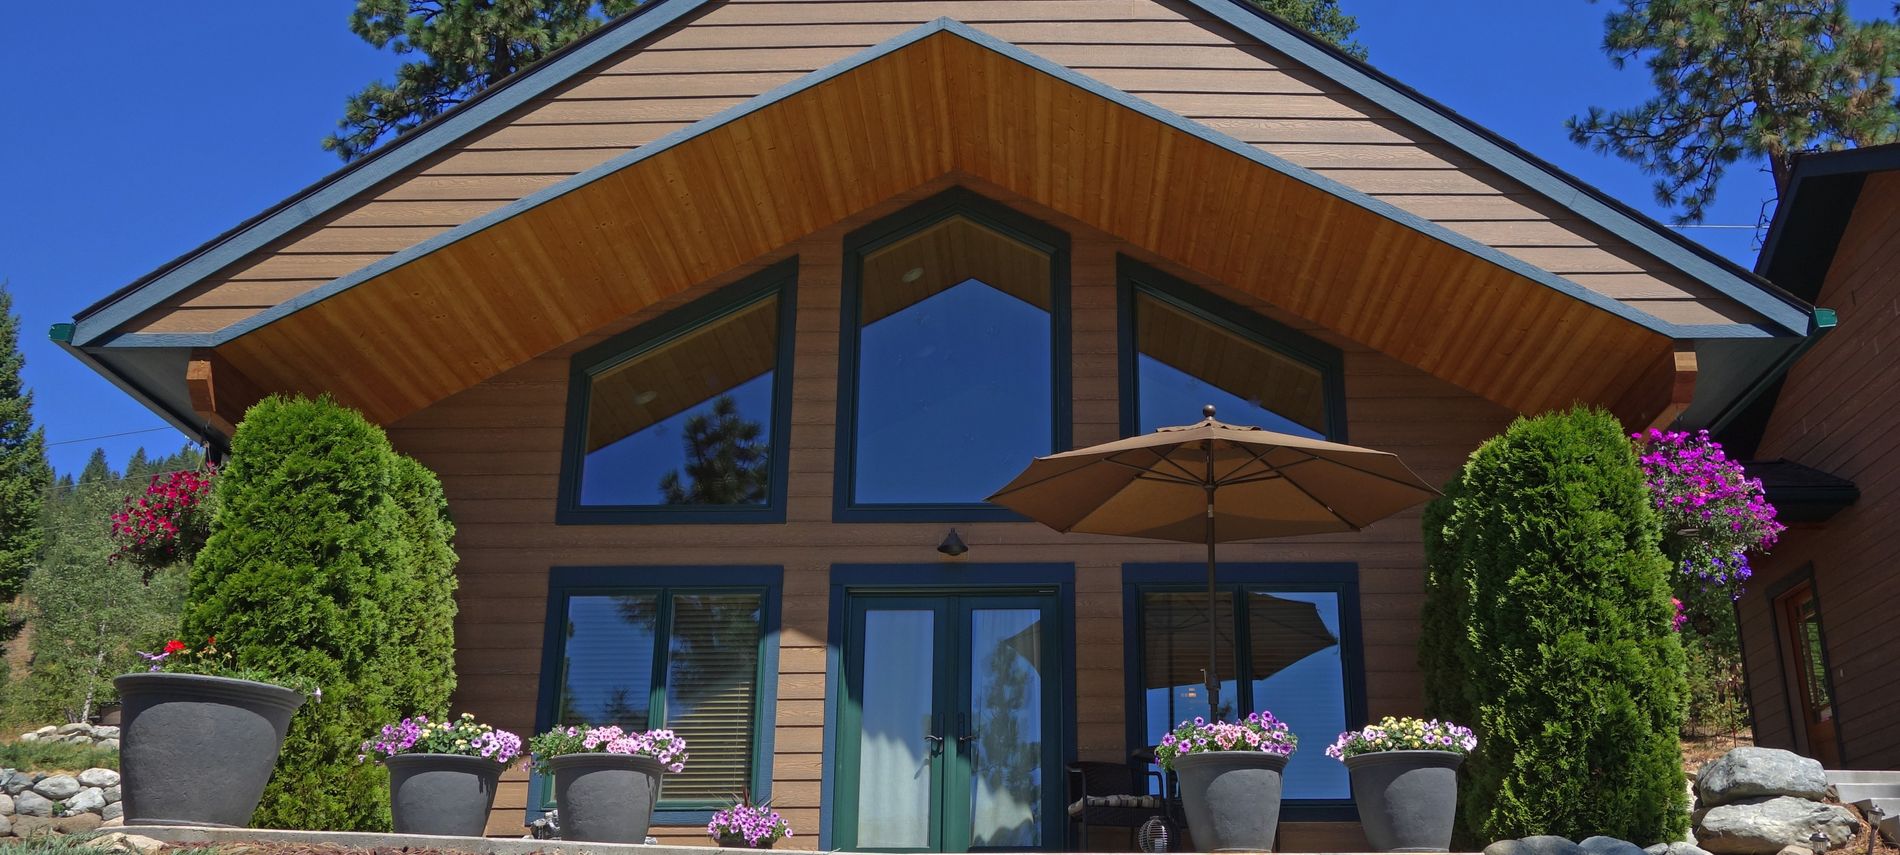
<point>550,273</point>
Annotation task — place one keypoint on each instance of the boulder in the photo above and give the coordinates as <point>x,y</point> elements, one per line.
<point>105,731</point>
<point>115,822</point>
<point>1762,826</point>
<point>48,730</point>
<point>13,781</point>
<point>97,777</point>
<point>74,727</point>
<point>109,743</point>
<point>113,810</point>
<point>58,787</point>
<point>119,841</point>
<point>112,793</point>
<point>6,805</point>
<point>1600,845</point>
<point>32,826</point>
<point>1795,850</point>
<point>29,737</point>
<point>77,739</point>
<point>89,799</point>
<point>1747,773</point>
<point>6,826</point>
<point>29,803</point>
<point>1543,844</point>
<point>77,824</point>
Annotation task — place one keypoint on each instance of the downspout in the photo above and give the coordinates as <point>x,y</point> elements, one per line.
<point>1819,324</point>
<point>186,423</point>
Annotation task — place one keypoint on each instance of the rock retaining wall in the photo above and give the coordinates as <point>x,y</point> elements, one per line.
<point>77,733</point>
<point>34,803</point>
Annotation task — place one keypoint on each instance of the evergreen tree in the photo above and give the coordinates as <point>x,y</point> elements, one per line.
<point>24,474</point>
<point>1547,629</point>
<point>1320,18</point>
<point>465,46</point>
<point>726,460</point>
<point>1757,79</point>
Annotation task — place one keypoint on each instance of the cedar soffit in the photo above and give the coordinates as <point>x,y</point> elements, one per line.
<point>447,314</point>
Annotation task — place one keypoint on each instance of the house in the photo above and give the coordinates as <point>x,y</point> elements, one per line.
<point>1818,628</point>
<point>904,246</point>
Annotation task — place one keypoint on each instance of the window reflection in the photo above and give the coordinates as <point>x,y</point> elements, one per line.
<point>688,423</point>
<point>955,374</point>
<point>1184,362</point>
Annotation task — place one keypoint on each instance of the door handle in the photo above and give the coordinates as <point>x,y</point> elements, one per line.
<point>936,743</point>
<point>963,727</point>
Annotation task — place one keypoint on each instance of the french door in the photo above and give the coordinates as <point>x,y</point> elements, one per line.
<point>950,738</point>
<point>1813,688</point>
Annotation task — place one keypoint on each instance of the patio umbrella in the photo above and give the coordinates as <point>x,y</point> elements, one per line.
<point>1213,482</point>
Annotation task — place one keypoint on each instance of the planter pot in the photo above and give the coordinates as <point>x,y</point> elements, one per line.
<point>605,798</point>
<point>443,794</point>
<point>1408,800</point>
<point>739,843</point>
<point>1232,799</point>
<point>197,750</point>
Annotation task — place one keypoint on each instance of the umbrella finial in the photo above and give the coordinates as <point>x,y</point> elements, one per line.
<point>1208,411</point>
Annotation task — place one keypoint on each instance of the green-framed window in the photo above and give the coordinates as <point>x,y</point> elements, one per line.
<point>953,359</point>
<point>689,648</point>
<point>685,418</point>
<point>1288,642</point>
<point>1183,348</point>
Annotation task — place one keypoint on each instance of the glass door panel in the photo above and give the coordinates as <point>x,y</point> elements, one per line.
<point>900,744</point>
<point>1003,736</point>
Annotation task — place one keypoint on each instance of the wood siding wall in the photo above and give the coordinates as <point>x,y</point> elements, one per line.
<point>1165,51</point>
<point>1836,413</point>
<point>497,448</point>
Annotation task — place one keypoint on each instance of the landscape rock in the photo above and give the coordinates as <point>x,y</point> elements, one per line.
<point>1601,845</point>
<point>89,799</point>
<point>1543,844</point>
<point>106,731</point>
<point>77,824</point>
<point>119,841</point>
<point>1686,848</point>
<point>6,805</point>
<point>1762,826</point>
<point>58,787</point>
<point>13,781</point>
<point>109,743</point>
<point>115,822</point>
<point>77,739</point>
<point>6,826</point>
<point>1795,850</point>
<point>113,810</point>
<point>97,777</point>
<point>48,730</point>
<point>112,793</point>
<point>31,826</point>
<point>1749,772</point>
<point>29,737</point>
<point>74,727</point>
<point>29,803</point>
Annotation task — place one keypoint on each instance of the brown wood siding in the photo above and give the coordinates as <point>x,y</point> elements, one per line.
<point>1836,413</point>
<point>497,448</point>
<point>1162,50</point>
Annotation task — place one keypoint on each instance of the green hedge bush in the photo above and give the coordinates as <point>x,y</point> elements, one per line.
<point>1547,629</point>
<point>329,563</point>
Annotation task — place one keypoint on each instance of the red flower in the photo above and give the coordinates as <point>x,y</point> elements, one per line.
<point>174,646</point>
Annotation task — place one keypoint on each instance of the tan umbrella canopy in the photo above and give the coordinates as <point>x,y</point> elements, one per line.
<point>1213,482</point>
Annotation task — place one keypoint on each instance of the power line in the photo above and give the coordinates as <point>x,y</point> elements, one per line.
<point>1712,226</point>
<point>108,436</point>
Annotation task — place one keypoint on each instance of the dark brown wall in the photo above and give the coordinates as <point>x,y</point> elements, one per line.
<point>497,448</point>
<point>1838,412</point>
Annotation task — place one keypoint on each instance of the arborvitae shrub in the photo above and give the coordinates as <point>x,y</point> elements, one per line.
<point>328,564</point>
<point>1547,629</point>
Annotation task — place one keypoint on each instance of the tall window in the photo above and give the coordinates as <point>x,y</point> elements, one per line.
<point>683,419</point>
<point>688,658</point>
<point>1187,349</point>
<point>1287,642</point>
<point>954,358</point>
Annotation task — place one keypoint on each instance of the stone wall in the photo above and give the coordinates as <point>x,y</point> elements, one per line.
<point>77,733</point>
<point>33,803</point>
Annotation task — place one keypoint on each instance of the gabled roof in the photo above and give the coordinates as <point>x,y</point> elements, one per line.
<point>1786,316</point>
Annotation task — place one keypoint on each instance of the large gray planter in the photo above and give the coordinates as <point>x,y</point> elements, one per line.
<point>605,798</point>
<point>197,750</point>
<point>1408,800</point>
<point>1232,799</point>
<point>442,794</point>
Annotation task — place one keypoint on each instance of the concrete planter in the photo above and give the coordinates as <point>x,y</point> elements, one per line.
<point>1232,799</point>
<point>441,794</point>
<point>1408,800</point>
<point>198,750</point>
<point>605,798</point>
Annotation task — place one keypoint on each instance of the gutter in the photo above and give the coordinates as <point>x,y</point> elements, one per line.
<point>186,423</point>
<point>1820,323</point>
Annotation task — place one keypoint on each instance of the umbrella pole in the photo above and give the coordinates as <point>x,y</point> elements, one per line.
<point>1213,599</point>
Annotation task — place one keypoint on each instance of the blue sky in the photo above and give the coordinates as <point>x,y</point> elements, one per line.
<point>147,131</point>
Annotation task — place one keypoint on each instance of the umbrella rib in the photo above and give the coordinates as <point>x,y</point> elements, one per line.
<point>1364,471</point>
<point>1324,504</point>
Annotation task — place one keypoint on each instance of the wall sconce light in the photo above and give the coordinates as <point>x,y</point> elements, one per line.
<point>952,545</point>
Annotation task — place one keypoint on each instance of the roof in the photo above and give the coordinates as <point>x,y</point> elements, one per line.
<point>1788,314</point>
<point>1801,493</point>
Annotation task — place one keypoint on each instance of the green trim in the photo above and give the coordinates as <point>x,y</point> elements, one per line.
<point>1132,276</point>
<point>664,582</point>
<point>992,215</point>
<point>778,281</point>
<point>62,333</point>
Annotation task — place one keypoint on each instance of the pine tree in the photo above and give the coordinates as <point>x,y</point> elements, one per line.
<point>1743,79</point>
<point>465,46</point>
<point>726,460</point>
<point>24,474</point>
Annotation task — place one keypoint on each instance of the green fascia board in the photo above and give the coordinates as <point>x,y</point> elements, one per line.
<point>350,181</point>
<point>952,27</point>
<point>1491,149</point>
